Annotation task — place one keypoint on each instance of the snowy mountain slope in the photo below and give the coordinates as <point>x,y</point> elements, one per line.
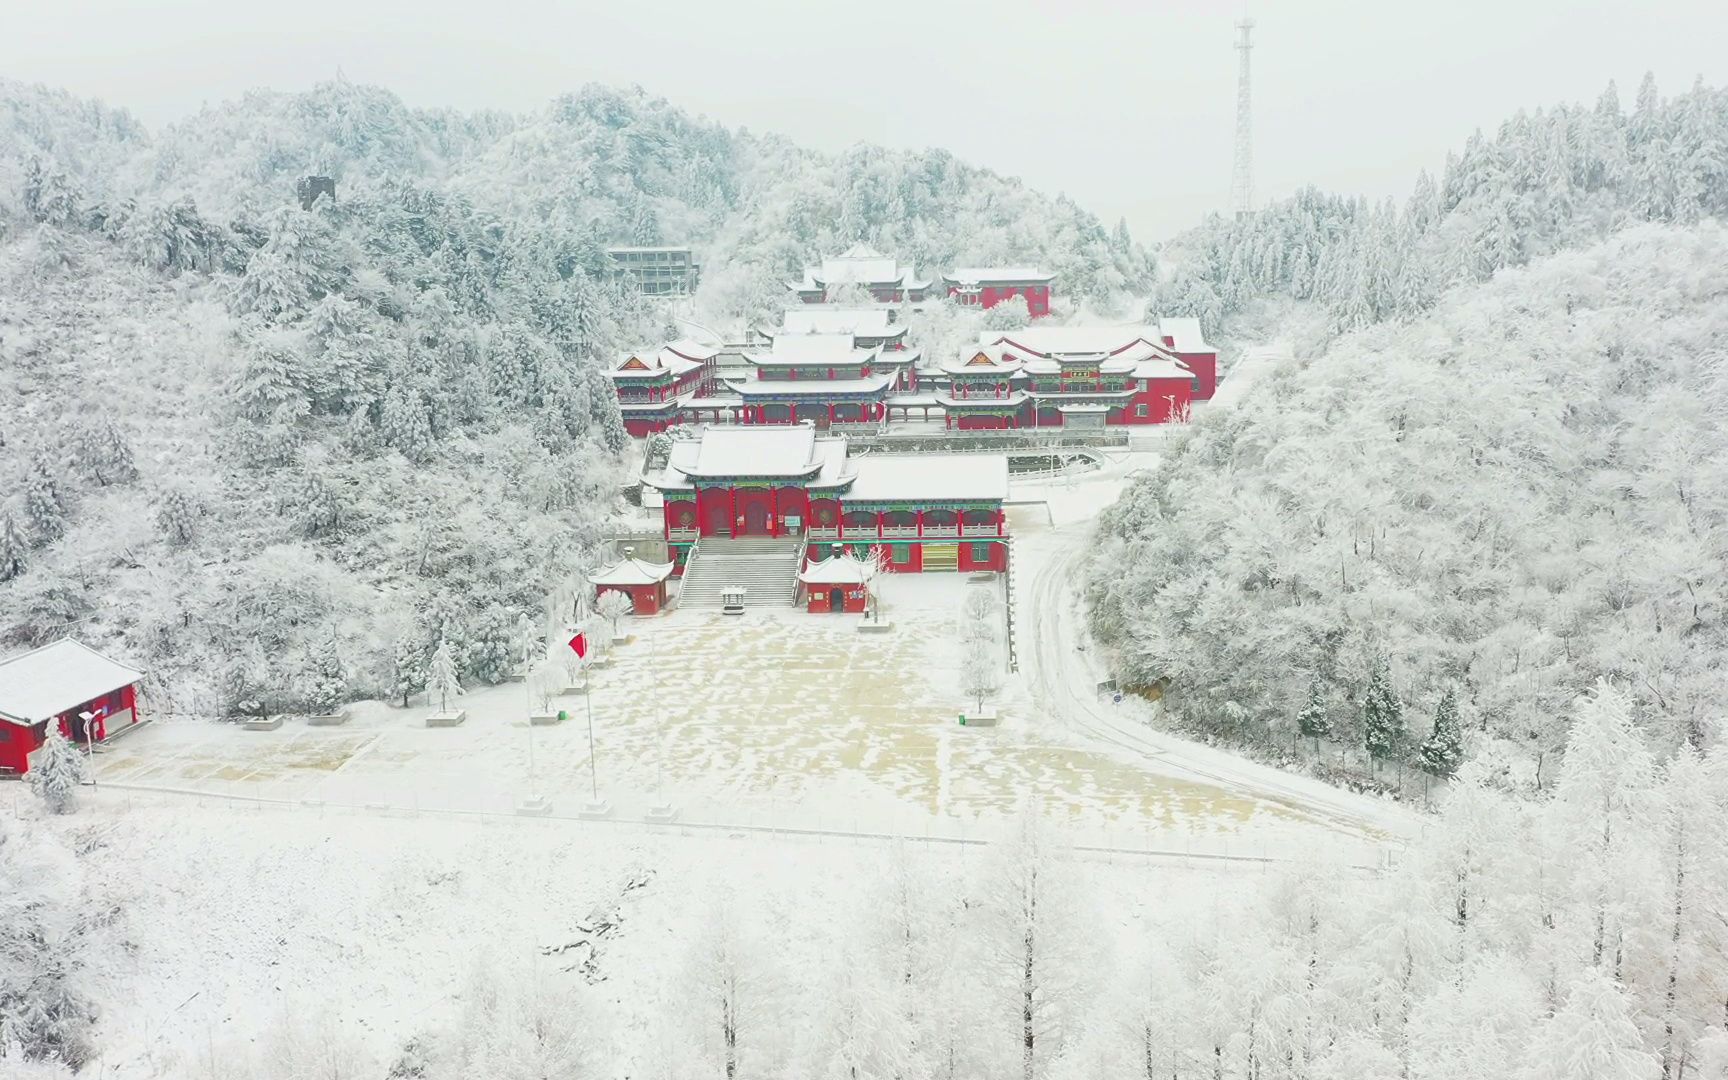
<point>265,452</point>
<point>1513,496</point>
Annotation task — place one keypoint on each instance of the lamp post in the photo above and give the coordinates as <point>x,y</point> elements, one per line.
<point>89,744</point>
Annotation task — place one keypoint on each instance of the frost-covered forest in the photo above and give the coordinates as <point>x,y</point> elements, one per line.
<point>275,454</point>
<point>1559,178</point>
<point>1503,491</point>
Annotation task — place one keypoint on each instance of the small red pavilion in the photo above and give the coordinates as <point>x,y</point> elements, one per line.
<point>91,697</point>
<point>835,585</point>
<point>644,583</point>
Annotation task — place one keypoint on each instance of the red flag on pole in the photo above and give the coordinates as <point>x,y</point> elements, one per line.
<point>579,643</point>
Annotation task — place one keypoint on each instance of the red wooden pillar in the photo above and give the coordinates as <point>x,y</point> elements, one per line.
<point>920,523</point>
<point>731,511</point>
<point>880,515</point>
<point>773,511</point>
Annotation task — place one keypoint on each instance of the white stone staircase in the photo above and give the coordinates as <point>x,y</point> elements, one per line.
<point>765,567</point>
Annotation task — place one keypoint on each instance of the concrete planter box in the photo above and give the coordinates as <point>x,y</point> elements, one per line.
<point>545,719</point>
<point>447,719</point>
<point>663,815</point>
<point>982,575</point>
<point>600,663</point>
<point>881,626</point>
<point>335,719</point>
<point>982,718</point>
<point>621,639</point>
<point>256,724</point>
<point>597,810</point>
<point>534,806</point>
<point>574,689</point>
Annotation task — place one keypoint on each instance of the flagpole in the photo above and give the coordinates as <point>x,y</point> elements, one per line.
<point>593,774</point>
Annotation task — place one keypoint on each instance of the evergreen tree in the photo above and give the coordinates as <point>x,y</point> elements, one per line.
<point>1382,713</point>
<point>44,510</point>
<point>327,680</point>
<point>104,454</point>
<point>441,679</point>
<point>1311,721</point>
<point>176,515</point>
<point>1443,750</point>
<point>12,545</point>
<point>56,771</point>
<point>408,669</point>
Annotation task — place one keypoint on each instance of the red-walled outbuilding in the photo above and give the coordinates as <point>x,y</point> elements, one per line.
<point>91,697</point>
<point>644,583</point>
<point>835,585</point>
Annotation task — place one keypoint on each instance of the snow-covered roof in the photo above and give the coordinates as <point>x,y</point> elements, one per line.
<point>677,357</point>
<point>630,571</point>
<point>1159,368</point>
<point>840,570</point>
<point>811,350</point>
<point>1077,341</point>
<point>858,322</point>
<point>760,388</point>
<point>985,361</point>
<point>929,477</point>
<point>863,265</point>
<point>981,274</point>
<point>756,451</point>
<point>46,682</point>
<point>1185,335</point>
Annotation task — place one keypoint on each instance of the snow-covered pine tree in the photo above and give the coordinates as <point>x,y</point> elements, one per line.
<point>441,680</point>
<point>13,547</point>
<point>56,770</point>
<point>1443,750</point>
<point>1382,713</point>
<point>327,685</point>
<point>103,453</point>
<point>1311,720</point>
<point>177,515</point>
<point>408,669</point>
<point>44,509</point>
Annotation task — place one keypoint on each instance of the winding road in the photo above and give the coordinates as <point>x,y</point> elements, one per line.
<point>1060,669</point>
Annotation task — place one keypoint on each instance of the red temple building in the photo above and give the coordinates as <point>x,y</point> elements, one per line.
<point>987,286</point>
<point>886,280</point>
<point>823,378</point>
<point>89,696</point>
<point>931,512</point>
<point>643,582</point>
<point>652,390</point>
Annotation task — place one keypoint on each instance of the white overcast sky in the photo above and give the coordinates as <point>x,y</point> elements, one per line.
<point>1127,106</point>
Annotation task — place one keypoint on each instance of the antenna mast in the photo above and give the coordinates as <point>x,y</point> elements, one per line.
<point>1242,176</point>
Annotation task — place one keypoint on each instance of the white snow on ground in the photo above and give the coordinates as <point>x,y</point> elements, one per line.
<point>372,926</point>
<point>357,874</point>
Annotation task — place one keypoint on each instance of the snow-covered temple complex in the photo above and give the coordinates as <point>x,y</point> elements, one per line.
<point>839,366</point>
<point>987,286</point>
<point>886,280</point>
<point>806,491</point>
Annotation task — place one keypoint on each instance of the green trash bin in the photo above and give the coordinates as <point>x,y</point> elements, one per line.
<point>562,716</point>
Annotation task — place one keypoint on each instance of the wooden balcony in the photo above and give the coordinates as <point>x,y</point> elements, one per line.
<point>822,532</point>
<point>900,532</point>
<point>981,530</point>
<point>941,530</point>
<point>683,536</point>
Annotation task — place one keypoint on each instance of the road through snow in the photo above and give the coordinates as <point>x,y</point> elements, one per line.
<point>1059,666</point>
